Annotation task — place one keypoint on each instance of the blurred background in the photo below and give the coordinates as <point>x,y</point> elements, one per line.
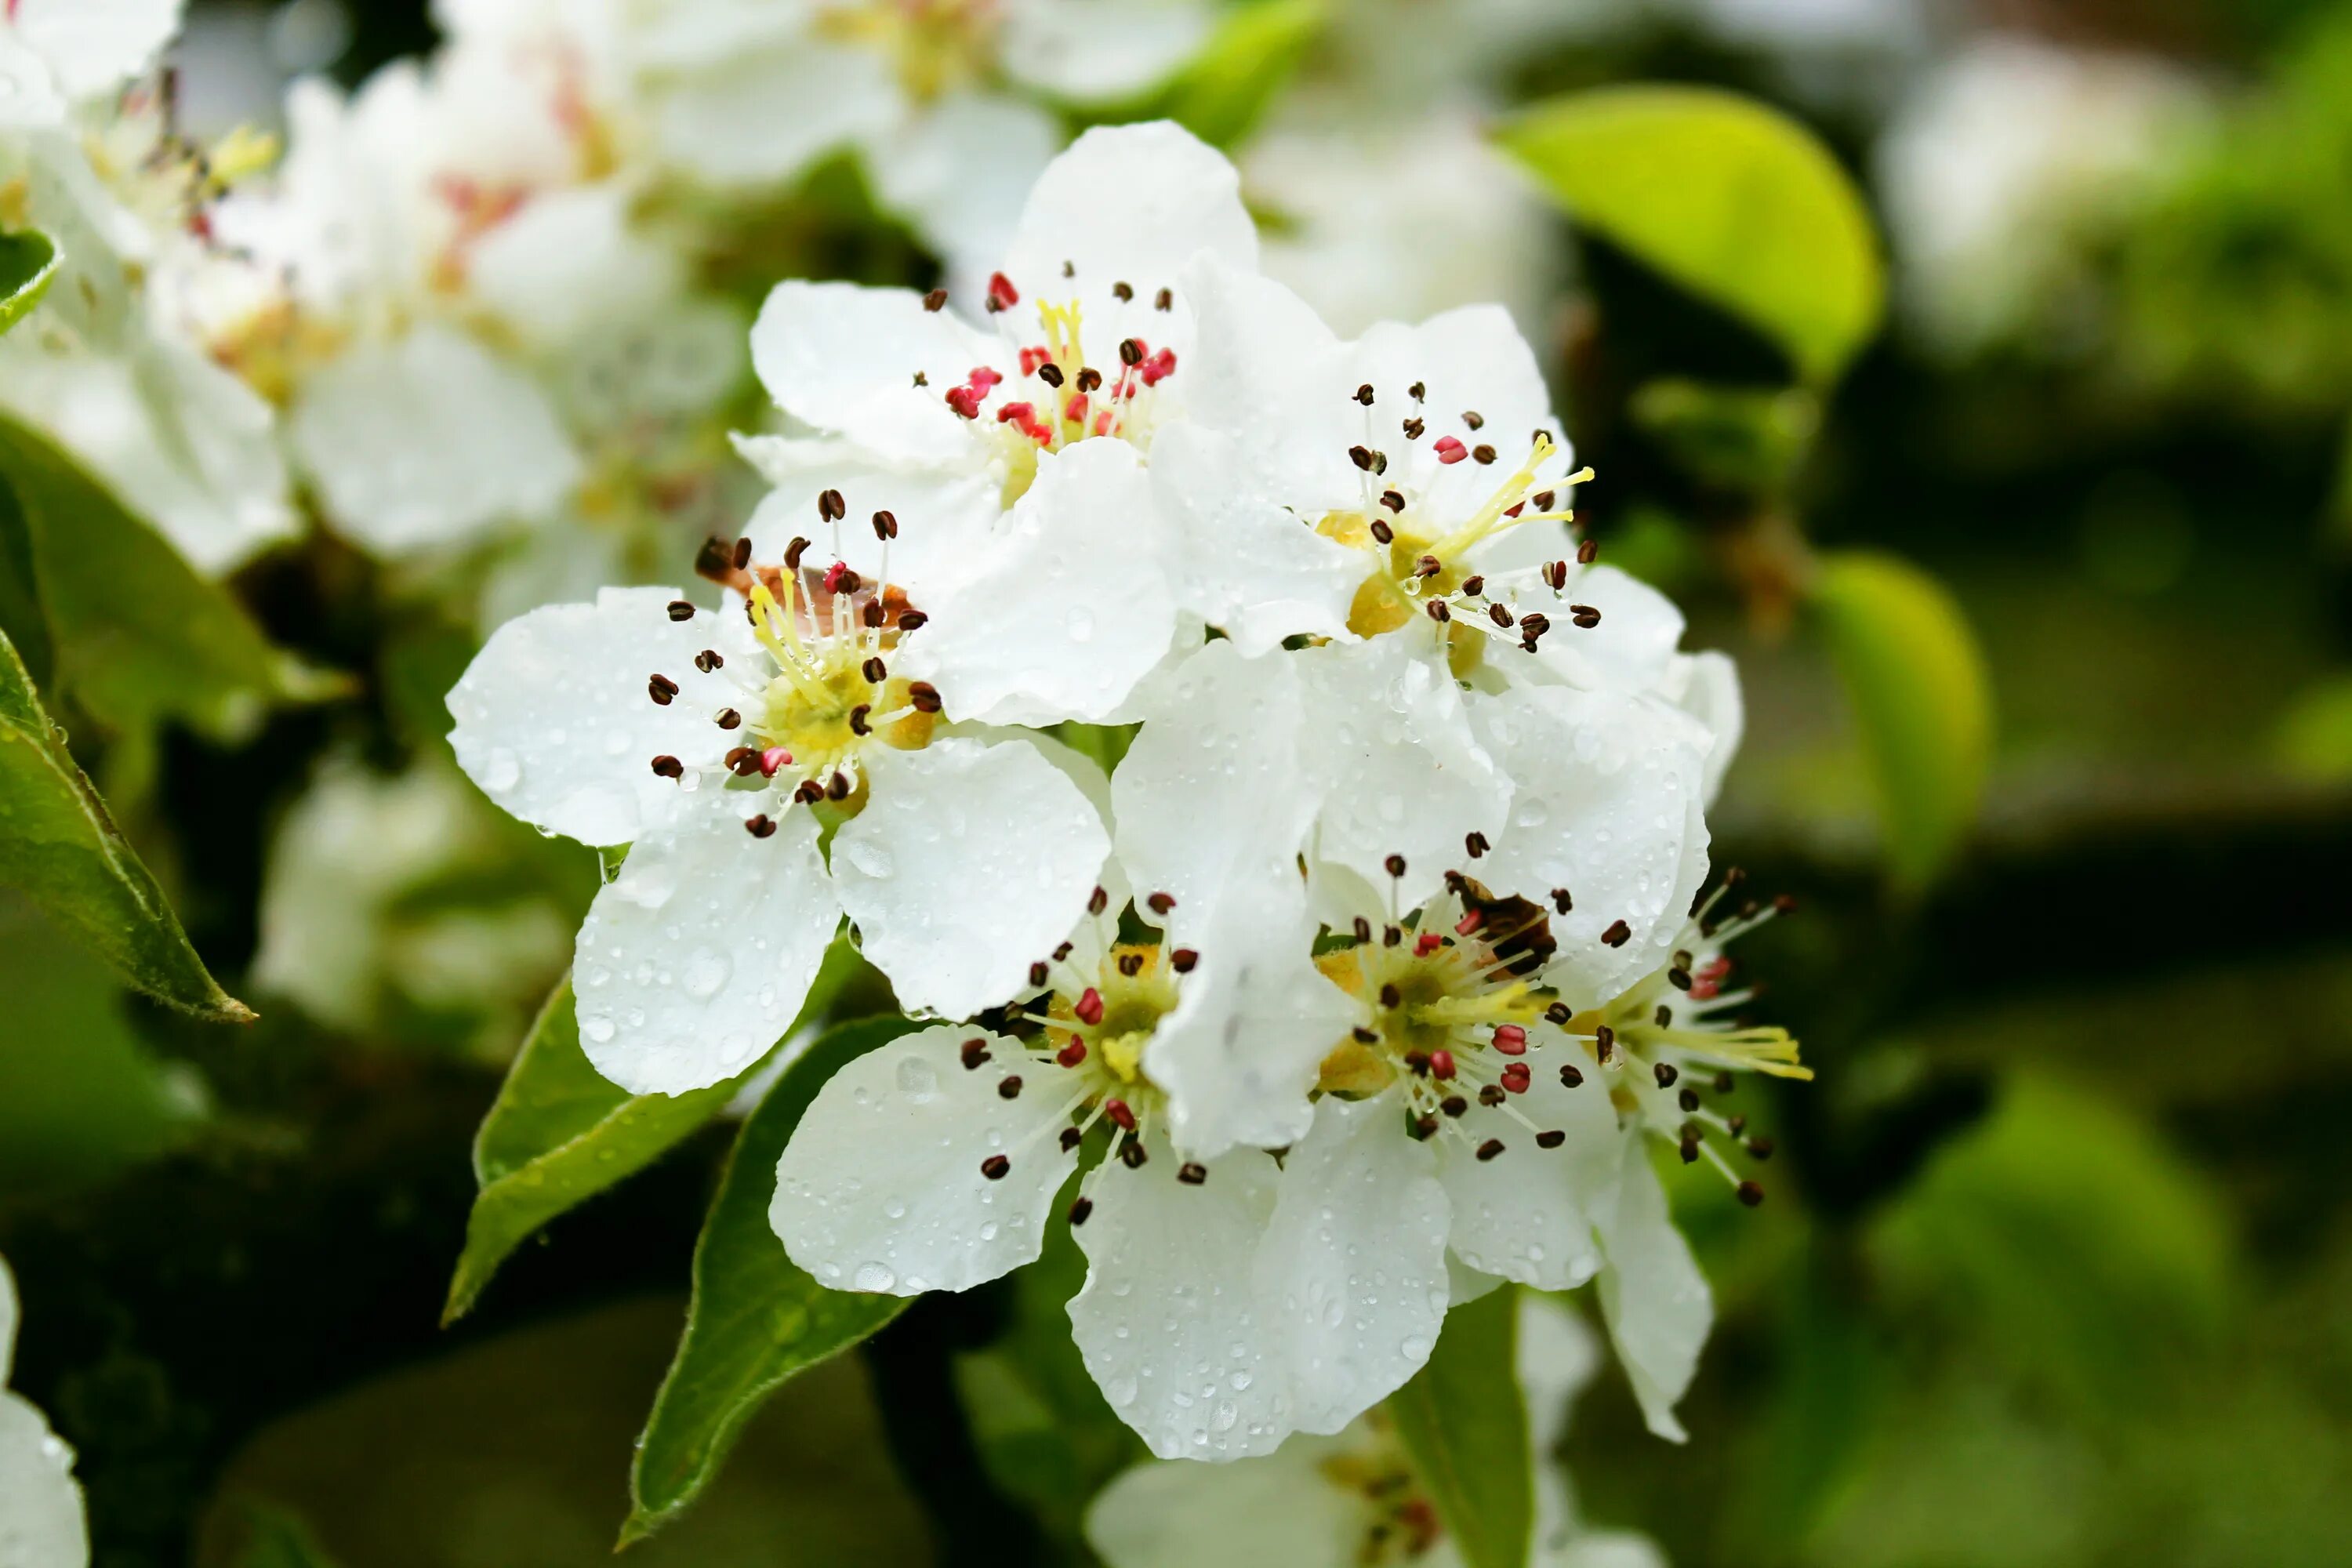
<point>2041,603</point>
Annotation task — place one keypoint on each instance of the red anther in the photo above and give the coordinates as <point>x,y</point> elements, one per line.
<point>1116,1109</point>
<point>1715,969</point>
<point>1511,1040</point>
<point>984,379</point>
<point>1705,991</point>
<point>1023,412</point>
<point>771,758</point>
<point>1074,1053</point>
<point>1089,1007</point>
<point>1000,289</point>
<point>1158,367</point>
<point>1102,422</point>
<point>1513,512</point>
<point>965,401</point>
<point>1441,1063</point>
<point>1515,1078</point>
<point>1075,410</point>
<point>834,574</point>
<point>1031,359</point>
<point>1469,922</point>
<point>1450,450</point>
<point>1427,942</point>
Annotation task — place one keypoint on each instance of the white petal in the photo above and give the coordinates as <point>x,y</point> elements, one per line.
<point>1252,1025</point>
<point>1633,649</point>
<point>569,261</point>
<point>1558,1356</point>
<point>881,1188</point>
<point>1607,804</point>
<point>1069,607</point>
<point>29,96</point>
<point>1129,204</point>
<point>958,170</point>
<point>1090,52</point>
<point>41,1519</point>
<point>846,358</point>
<point>1653,1295</point>
<point>1246,563</point>
<point>94,44</point>
<point>429,440</point>
<point>1528,1214</point>
<point>765,114</point>
<point>1709,692</point>
<point>1265,373</point>
<point>555,723</point>
<point>9,1313</point>
<point>1283,1509</point>
<point>696,958</point>
<point>970,862</point>
<point>1168,1322</point>
<point>944,517</point>
<point>1351,1274</point>
<point>1398,768</point>
<point>1470,360</point>
<point>1212,797</point>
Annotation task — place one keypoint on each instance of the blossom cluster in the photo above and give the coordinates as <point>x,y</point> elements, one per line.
<point>1364,978</point>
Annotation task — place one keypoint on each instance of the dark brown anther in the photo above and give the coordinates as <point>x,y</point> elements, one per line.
<point>1750,1194</point>
<point>669,767</point>
<point>1164,300</point>
<point>1392,500</point>
<point>1454,1105</point>
<point>1062,952</point>
<point>1759,1148</point>
<point>1038,973</point>
<point>922,380</point>
<point>1050,373</point>
<point>1474,419</point>
<point>1363,929</point>
<point>1381,532</point>
<point>1130,350</point>
<point>1081,1209</point>
<point>742,551</point>
<point>1071,1139</point>
<point>1475,844</point>
<point>1618,934</point>
<point>1391,936</point>
<point>1557,1015</point>
<point>1160,903</point>
<point>912,620</point>
<point>924,696</point>
<point>994,1167</point>
<point>847,581</point>
<point>1417,1063</point>
<point>857,717</point>
<point>794,551</point>
<point>1561,902</point>
<point>662,690</point>
<point>1364,395</point>
<point>1192,1174</point>
<point>1122,292</point>
<point>1490,1148</point>
<point>1395,865</point>
<point>680,610</point>
<point>1482,454</point>
<point>1679,979</point>
<point>1665,1073</point>
<point>708,660</point>
<point>1009,1087</point>
<point>1688,1101</point>
<point>1097,901</point>
<point>830,506</point>
<point>1089,379</point>
<point>1584,616</point>
<point>1738,1125</point>
<point>1130,964</point>
<point>935,299</point>
<point>1428,566</point>
<point>1475,584</point>
<point>1390,997</point>
<point>1500,616</point>
<point>1690,1146</point>
<point>742,761</point>
<point>1604,1043</point>
<point>885,525</point>
<point>1413,428</point>
<point>1132,1154</point>
<point>1569,1077</point>
<point>1588,553</point>
<point>1543,500</point>
<point>1424,1128</point>
<point>1418,390</point>
<point>808,792</point>
<point>1182,960</point>
<point>1491,1095</point>
<point>728,719</point>
<point>973,1052</point>
<point>873,614</point>
<point>1555,576</point>
<point>1362,457</point>
<point>837,787</point>
<point>1663,1018</point>
<point>1725,1083</point>
<point>1364,1037</point>
<point>1552,1140</point>
<point>760,827</point>
<point>874,669</point>
<point>1785,903</point>
<point>715,560</point>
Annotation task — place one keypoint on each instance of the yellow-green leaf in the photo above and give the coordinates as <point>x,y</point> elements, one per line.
<point>27,262</point>
<point>135,634</point>
<point>60,847</point>
<point>558,1132</point>
<point>1463,1422</point>
<point>756,1319</point>
<point>1731,199</point>
<point>1220,96</point>
<point>1922,702</point>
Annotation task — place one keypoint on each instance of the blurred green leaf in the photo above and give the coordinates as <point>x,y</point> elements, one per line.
<point>1465,1422</point>
<point>1225,91</point>
<point>558,1132</point>
<point>1743,438</point>
<point>27,262</point>
<point>59,844</point>
<point>1731,199</point>
<point>271,1537</point>
<point>2065,1233</point>
<point>756,1319</point>
<point>137,636</point>
<point>2315,737</point>
<point>1922,701</point>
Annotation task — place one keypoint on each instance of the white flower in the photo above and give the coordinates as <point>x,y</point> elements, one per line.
<point>55,54</point>
<point>1353,1498</point>
<point>42,1522</point>
<point>713,743</point>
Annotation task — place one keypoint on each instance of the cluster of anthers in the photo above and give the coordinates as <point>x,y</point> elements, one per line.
<point>1065,398</point>
<point>825,692</point>
<point>1421,562</point>
<point>1457,1010</point>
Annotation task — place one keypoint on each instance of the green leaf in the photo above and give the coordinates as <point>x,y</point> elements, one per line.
<point>1464,1422</point>
<point>2313,740</point>
<point>59,844</point>
<point>1741,438</point>
<point>558,1132</point>
<point>756,1320</point>
<point>1921,701</point>
<point>27,262</point>
<point>137,636</point>
<point>271,1537</point>
<point>1732,200</point>
<point>1222,95</point>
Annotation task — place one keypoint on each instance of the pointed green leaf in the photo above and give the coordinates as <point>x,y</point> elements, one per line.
<point>1733,200</point>
<point>136,635</point>
<point>1921,701</point>
<point>1464,1424</point>
<point>560,1133</point>
<point>58,844</point>
<point>756,1319</point>
<point>1222,95</point>
<point>27,262</point>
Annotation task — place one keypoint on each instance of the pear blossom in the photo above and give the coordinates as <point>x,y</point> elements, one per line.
<point>1353,1498</point>
<point>1225,1306</point>
<point>42,1522</point>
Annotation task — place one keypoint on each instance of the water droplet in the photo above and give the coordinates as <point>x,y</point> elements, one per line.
<point>706,970</point>
<point>596,1028</point>
<point>916,1081</point>
<point>502,771</point>
<point>1081,623</point>
<point>874,1278</point>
